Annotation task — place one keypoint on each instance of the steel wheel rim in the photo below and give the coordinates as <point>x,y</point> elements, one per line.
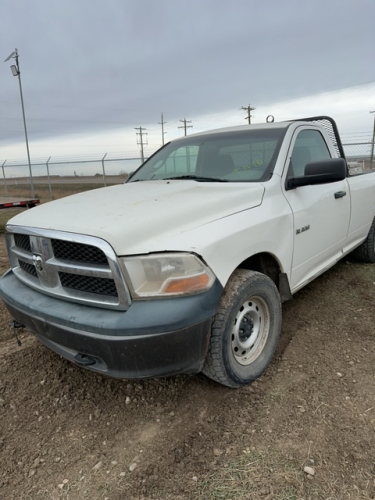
<point>250,330</point>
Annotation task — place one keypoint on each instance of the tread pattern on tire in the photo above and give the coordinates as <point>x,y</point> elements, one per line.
<point>366,251</point>
<point>213,368</point>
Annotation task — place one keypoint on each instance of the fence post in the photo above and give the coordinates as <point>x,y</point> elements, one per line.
<point>104,178</point>
<point>5,182</point>
<point>49,180</point>
<point>373,142</point>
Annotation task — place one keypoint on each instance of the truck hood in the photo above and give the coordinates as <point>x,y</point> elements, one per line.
<point>145,216</point>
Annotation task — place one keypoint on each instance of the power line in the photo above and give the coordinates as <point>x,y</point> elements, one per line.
<point>357,133</point>
<point>356,137</point>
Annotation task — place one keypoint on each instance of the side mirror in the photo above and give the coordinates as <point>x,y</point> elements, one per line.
<point>320,172</point>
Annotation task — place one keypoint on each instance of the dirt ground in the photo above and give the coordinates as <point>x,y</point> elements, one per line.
<point>67,433</point>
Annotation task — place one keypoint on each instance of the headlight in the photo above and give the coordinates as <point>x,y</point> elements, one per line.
<point>165,275</point>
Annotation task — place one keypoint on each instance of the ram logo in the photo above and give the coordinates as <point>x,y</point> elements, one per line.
<point>38,262</point>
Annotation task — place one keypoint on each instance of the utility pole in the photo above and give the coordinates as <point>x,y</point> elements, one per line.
<point>249,109</point>
<point>17,72</point>
<point>185,127</point>
<point>373,141</point>
<point>141,135</point>
<point>162,129</point>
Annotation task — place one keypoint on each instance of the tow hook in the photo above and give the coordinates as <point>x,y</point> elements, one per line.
<point>16,325</point>
<point>84,359</point>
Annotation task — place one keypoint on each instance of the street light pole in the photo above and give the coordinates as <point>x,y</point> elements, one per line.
<point>16,72</point>
<point>373,142</point>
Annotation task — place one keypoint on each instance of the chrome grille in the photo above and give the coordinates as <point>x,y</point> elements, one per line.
<point>22,241</point>
<point>102,286</point>
<point>69,266</point>
<point>28,268</point>
<point>78,252</point>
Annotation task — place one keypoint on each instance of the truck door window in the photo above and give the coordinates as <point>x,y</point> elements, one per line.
<point>308,147</point>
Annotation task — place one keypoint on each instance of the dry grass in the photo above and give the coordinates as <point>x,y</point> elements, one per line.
<point>41,191</point>
<point>255,474</point>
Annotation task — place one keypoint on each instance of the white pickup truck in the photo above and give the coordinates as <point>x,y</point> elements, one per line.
<point>184,267</point>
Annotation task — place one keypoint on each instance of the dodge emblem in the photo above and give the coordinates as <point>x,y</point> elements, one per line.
<point>38,263</point>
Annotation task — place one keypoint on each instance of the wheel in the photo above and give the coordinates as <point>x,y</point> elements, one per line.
<point>366,251</point>
<point>245,330</point>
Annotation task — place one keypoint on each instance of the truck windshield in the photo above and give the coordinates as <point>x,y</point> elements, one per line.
<point>245,156</point>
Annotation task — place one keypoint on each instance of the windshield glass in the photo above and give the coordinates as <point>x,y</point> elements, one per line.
<point>245,156</point>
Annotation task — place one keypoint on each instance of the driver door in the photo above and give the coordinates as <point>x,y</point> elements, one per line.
<point>321,213</point>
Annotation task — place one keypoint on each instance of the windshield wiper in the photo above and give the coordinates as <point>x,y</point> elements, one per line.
<point>196,178</point>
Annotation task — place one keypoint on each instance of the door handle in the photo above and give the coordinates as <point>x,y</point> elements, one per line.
<point>340,194</point>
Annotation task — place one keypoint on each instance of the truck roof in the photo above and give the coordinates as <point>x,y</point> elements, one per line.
<point>239,128</point>
<point>323,121</point>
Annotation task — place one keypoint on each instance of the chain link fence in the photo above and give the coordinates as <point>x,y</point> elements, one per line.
<point>361,153</point>
<point>54,172</point>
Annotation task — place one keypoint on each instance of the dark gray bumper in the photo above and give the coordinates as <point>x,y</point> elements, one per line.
<point>152,338</point>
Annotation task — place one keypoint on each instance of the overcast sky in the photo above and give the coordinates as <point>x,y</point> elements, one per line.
<point>93,70</point>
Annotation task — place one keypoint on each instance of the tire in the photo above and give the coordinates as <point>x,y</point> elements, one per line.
<point>366,251</point>
<point>245,330</point>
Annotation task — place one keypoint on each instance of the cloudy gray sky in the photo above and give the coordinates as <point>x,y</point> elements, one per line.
<point>96,69</point>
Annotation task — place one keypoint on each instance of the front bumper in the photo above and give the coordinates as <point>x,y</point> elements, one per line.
<point>153,338</point>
